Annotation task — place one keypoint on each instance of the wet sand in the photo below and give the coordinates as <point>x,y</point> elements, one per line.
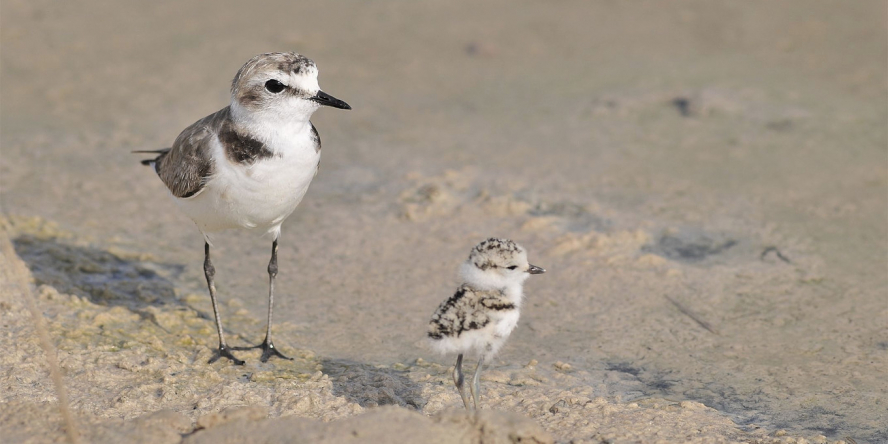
<point>706,183</point>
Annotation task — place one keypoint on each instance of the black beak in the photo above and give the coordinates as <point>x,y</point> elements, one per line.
<point>328,100</point>
<point>533,269</point>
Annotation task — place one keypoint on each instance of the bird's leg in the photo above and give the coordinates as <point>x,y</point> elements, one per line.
<point>268,349</point>
<point>459,379</point>
<point>267,346</point>
<point>476,383</point>
<point>209,273</point>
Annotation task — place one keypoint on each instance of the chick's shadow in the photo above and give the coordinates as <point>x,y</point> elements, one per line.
<point>371,386</point>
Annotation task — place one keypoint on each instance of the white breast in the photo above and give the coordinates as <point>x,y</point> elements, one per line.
<point>258,196</point>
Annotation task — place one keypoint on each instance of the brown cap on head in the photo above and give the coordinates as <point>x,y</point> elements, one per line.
<point>284,62</point>
<point>277,78</point>
<point>268,76</point>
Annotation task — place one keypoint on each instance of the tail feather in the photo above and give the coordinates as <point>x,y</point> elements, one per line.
<point>148,162</point>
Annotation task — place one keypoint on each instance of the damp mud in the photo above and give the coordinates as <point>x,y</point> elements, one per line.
<point>705,183</point>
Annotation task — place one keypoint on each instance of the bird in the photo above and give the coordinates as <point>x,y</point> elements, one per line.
<point>249,164</point>
<point>484,310</point>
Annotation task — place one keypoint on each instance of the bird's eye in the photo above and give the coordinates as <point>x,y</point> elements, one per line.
<point>512,267</point>
<point>273,86</point>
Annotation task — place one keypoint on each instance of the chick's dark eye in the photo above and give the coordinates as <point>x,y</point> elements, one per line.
<point>512,267</point>
<point>273,86</point>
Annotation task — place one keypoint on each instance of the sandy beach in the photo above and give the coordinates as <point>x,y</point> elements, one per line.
<point>706,183</point>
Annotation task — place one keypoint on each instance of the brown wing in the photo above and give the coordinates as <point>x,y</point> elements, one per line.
<point>185,167</point>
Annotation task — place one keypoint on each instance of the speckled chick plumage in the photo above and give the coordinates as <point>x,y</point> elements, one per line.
<point>479,317</point>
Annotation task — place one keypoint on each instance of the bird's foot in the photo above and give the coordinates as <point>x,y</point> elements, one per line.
<point>268,350</point>
<point>224,352</point>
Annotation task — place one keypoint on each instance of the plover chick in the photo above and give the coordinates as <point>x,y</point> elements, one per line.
<point>479,317</point>
<point>249,164</point>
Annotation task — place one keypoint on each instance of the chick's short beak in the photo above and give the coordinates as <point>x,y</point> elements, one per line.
<point>328,100</point>
<point>533,269</point>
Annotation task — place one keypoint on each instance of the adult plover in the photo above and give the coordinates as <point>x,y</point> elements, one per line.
<point>484,310</point>
<point>249,164</point>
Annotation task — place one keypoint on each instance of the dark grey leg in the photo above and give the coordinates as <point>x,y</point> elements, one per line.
<point>476,383</point>
<point>459,379</point>
<point>267,346</point>
<point>209,273</point>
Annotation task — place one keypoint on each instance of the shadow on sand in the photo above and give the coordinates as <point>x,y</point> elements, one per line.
<point>100,276</point>
<point>371,386</point>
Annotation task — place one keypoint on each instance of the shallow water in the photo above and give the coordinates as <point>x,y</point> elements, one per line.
<point>705,182</point>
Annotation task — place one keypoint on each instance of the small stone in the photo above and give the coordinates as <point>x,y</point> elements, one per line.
<point>560,406</point>
<point>563,366</point>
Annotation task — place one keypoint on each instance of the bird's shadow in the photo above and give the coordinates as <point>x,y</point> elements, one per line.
<point>371,386</point>
<point>98,275</point>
